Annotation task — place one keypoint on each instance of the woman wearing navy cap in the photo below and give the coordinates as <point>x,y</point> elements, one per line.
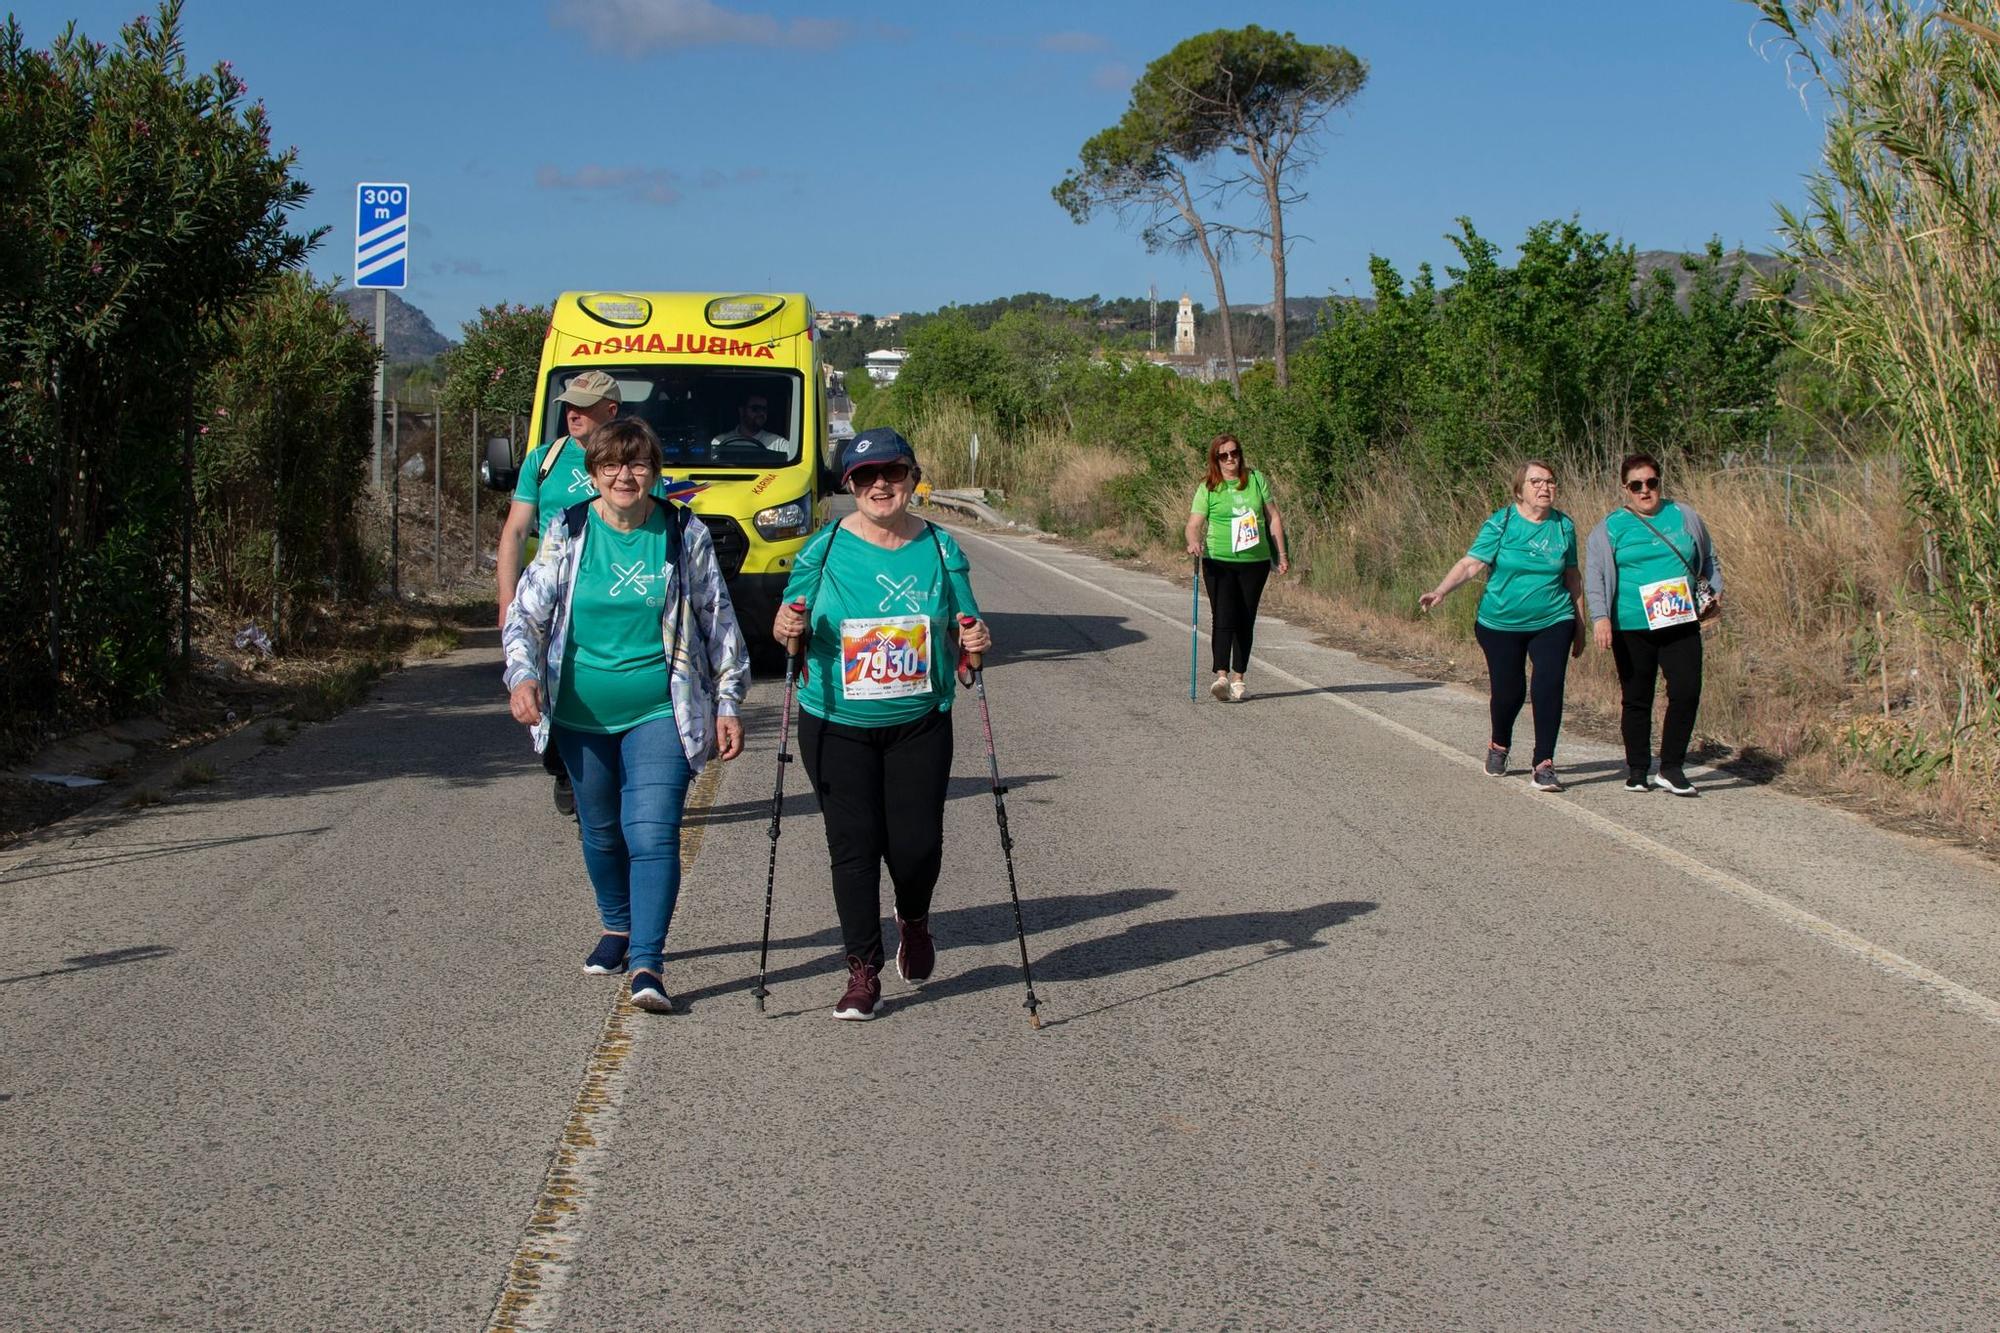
<point>883,592</point>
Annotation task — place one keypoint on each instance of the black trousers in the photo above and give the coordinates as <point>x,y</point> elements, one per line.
<point>1234,589</point>
<point>882,791</point>
<point>1642,656</point>
<point>1507,656</point>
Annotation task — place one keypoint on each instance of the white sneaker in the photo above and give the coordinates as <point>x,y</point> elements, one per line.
<point>1236,691</point>
<point>1220,690</point>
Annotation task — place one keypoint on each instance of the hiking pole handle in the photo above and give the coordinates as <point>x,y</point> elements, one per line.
<point>969,661</point>
<point>795,643</point>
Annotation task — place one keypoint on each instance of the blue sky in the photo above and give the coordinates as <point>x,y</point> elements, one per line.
<point>899,156</point>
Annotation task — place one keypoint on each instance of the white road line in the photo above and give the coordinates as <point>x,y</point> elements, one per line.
<point>1980,1005</point>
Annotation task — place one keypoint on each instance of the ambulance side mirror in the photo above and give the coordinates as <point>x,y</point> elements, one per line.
<point>497,471</point>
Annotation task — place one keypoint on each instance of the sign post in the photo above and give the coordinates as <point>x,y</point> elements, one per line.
<point>381,261</point>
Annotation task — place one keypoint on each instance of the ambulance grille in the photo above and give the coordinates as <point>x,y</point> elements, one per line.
<point>731,543</point>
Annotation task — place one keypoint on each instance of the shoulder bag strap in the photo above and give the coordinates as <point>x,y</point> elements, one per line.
<point>1694,575</point>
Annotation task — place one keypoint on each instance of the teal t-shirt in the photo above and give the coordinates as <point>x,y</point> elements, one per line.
<point>615,672</point>
<point>1236,521</point>
<point>880,651</point>
<point>1642,559</point>
<point>569,481</point>
<point>1524,586</point>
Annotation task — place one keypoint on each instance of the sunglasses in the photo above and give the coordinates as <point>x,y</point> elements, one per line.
<point>1227,455</point>
<point>893,473</point>
<point>1641,484</point>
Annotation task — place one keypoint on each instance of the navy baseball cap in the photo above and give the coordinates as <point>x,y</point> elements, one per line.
<point>882,444</point>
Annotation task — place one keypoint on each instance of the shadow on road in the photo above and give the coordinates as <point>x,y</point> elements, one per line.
<point>1025,636</point>
<point>984,925</point>
<point>1152,944</point>
<point>99,856</point>
<point>1361,687</point>
<point>85,962</point>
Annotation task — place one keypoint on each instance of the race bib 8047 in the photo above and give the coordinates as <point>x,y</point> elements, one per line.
<point>1666,603</point>
<point>885,657</point>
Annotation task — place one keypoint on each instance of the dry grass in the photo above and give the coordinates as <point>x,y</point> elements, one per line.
<point>1824,602</point>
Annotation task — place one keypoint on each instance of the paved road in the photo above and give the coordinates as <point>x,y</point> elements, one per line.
<point>1341,1033</point>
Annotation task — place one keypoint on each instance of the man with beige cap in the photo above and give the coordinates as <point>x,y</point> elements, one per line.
<point>553,477</point>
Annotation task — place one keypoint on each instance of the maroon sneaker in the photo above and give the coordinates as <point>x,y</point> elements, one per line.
<point>864,991</point>
<point>916,951</point>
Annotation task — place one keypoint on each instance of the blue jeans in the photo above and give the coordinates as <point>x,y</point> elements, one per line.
<point>631,789</point>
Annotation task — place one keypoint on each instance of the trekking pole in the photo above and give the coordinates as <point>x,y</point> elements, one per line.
<point>1194,628</point>
<point>969,664</point>
<point>777,807</point>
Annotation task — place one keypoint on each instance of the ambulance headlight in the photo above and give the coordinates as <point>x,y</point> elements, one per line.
<point>782,522</point>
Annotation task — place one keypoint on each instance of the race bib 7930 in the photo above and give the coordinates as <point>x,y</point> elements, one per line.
<point>885,657</point>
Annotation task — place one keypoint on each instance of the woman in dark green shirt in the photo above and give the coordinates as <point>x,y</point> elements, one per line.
<point>1532,610</point>
<point>883,593</point>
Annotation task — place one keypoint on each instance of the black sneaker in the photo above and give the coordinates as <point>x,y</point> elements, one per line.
<point>608,957</point>
<point>916,951</point>
<point>1545,776</point>
<point>1635,780</point>
<point>1675,781</point>
<point>864,991</point>
<point>565,796</point>
<point>650,993</point>
<point>1496,762</point>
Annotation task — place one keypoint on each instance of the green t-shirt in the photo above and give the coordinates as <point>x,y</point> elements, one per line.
<point>615,673</point>
<point>1524,588</point>
<point>1236,522</point>
<point>880,649</point>
<point>1642,559</point>
<point>569,481</point>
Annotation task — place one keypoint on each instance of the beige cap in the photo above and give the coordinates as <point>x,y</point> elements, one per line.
<point>589,389</point>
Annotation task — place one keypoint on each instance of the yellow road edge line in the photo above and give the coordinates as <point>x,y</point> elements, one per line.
<point>545,1255</point>
<point>1963,997</point>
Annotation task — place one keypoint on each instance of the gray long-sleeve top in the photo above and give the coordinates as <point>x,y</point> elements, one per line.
<point>1600,570</point>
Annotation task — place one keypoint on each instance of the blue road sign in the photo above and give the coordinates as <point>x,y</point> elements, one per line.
<point>381,235</point>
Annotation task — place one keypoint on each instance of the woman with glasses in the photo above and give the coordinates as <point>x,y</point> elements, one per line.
<point>1531,611</point>
<point>623,651</point>
<point>1648,566</point>
<point>884,593</point>
<point>1236,531</point>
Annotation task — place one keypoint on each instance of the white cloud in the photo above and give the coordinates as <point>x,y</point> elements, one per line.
<point>642,27</point>
<point>646,185</point>
<point>1073,43</point>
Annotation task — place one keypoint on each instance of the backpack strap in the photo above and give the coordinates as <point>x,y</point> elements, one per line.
<point>549,456</point>
<point>574,517</point>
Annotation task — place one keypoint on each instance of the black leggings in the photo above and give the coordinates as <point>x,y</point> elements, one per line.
<point>1234,589</point>
<point>1643,654</point>
<point>1507,656</point>
<point>881,791</point>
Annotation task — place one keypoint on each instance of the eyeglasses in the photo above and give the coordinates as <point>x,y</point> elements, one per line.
<point>638,469</point>
<point>1228,455</point>
<point>1541,481</point>
<point>893,473</point>
<point>1639,484</point>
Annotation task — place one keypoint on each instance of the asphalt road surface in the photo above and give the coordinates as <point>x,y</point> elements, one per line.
<point>1339,1033</point>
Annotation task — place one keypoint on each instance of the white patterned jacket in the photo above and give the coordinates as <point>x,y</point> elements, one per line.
<point>709,662</point>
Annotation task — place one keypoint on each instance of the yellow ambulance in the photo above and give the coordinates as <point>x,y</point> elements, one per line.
<point>731,383</point>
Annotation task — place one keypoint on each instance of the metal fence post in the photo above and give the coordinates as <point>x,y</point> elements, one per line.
<point>395,500</point>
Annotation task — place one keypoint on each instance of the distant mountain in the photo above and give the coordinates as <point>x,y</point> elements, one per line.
<point>1757,265</point>
<point>408,333</point>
